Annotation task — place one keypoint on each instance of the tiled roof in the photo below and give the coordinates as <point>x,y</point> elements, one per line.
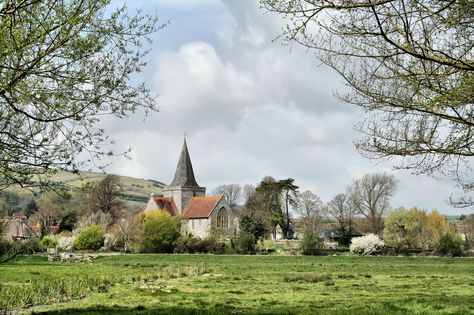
<point>19,215</point>
<point>18,229</point>
<point>184,175</point>
<point>53,229</point>
<point>201,207</point>
<point>166,203</point>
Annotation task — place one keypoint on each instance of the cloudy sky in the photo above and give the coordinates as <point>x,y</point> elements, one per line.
<point>250,106</point>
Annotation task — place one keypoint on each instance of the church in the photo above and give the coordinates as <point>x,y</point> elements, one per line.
<point>184,197</point>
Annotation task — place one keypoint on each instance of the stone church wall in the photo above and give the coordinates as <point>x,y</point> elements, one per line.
<point>199,227</point>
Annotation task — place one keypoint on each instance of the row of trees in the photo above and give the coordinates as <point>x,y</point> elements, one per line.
<point>414,228</point>
<point>271,203</point>
<point>364,207</point>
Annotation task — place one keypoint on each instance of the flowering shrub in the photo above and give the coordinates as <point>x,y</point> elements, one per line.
<point>369,244</point>
<point>66,242</point>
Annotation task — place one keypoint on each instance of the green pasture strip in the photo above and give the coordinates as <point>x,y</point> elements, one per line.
<point>208,284</point>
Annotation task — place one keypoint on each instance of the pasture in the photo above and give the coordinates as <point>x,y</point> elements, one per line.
<point>207,284</point>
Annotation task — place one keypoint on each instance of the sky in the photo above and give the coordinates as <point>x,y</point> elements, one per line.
<point>250,106</point>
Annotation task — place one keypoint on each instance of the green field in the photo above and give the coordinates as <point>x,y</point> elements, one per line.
<point>207,284</point>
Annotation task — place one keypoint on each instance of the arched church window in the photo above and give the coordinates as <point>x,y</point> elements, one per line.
<point>222,219</point>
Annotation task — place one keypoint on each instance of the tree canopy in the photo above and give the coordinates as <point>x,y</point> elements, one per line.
<point>63,65</point>
<point>269,206</point>
<point>409,65</point>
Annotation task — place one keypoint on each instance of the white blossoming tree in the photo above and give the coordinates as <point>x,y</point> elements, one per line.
<point>369,244</point>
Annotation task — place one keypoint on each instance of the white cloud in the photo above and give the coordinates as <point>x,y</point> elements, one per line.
<point>182,5</point>
<point>252,108</point>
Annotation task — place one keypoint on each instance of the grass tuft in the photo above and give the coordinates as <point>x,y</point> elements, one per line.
<point>307,277</point>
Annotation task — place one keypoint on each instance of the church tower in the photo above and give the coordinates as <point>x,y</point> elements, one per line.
<point>184,186</point>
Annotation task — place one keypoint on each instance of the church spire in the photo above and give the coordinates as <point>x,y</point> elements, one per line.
<point>184,175</point>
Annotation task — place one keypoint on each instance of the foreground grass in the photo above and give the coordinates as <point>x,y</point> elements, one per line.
<point>205,284</point>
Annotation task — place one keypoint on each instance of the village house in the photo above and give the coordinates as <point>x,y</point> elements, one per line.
<point>204,214</point>
<point>17,229</point>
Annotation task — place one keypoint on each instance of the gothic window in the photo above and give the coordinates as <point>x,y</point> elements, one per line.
<point>222,219</point>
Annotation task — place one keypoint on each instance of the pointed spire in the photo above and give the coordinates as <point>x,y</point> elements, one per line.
<point>184,175</point>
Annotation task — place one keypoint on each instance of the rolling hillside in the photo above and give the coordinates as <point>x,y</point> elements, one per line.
<point>136,190</point>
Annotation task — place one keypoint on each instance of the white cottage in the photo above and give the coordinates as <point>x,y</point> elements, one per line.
<point>185,197</point>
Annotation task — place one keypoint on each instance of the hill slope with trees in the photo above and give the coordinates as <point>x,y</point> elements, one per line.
<point>135,190</point>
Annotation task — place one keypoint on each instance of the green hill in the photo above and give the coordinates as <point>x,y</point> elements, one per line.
<point>135,193</point>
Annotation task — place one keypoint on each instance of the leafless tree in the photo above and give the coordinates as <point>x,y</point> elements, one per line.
<point>467,228</point>
<point>48,214</point>
<point>104,196</point>
<point>341,210</point>
<point>90,218</point>
<point>127,231</point>
<point>310,207</point>
<point>370,196</point>
<point>410,66</point>
<point>231,192</point>
<point>248,190</point>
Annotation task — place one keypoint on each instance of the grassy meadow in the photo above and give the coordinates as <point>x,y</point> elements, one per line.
<point>207,284</point>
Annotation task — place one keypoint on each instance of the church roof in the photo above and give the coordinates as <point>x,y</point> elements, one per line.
<point>166,203</point>
<point>201,207</point>
<point>184,175</point>
<point>162,203</point>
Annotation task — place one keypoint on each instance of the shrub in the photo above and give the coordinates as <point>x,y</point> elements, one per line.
<point>159,234</point>
<point>402,229</point>
<point>49,242</point>
<point>212,246</point>
<point>191,245</point>
<point>244,243</point>
<point>91,238</point>
<point>5,246</point>
<point>369,244</point>
<point>186,245</point>
<point>311,243</point>
<point>65,233</point>
<point>29,246</point>
<point>9,249</point>
<point>449,244</point>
